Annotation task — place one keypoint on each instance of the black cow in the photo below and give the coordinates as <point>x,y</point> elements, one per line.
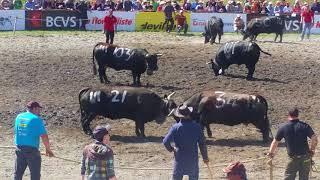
<point>230,109</point>
<point>237,52</point>
<point>212,28</point>
<point>264,25</point>
<point>138,104</point>
<point>119,58</point>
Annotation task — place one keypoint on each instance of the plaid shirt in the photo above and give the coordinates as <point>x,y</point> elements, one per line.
<point>97,162</point>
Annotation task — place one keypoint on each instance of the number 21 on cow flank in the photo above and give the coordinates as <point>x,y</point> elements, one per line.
<point>117,97</point>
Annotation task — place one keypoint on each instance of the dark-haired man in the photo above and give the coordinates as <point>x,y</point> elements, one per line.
<point>295,133</point>
<point>28,129</point>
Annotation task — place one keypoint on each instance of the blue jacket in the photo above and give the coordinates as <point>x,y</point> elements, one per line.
<point>187,136</point>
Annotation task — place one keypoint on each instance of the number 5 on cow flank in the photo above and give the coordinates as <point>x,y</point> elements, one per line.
<point>116,98</point>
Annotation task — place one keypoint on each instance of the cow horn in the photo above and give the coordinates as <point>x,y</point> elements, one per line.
<point>158,54</point>
<point>147,55</point>
<point>169,96</point>
<point>209,63</point>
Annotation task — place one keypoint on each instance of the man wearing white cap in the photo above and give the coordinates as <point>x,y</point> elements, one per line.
<point>187,135</point>
<point>238,24</point>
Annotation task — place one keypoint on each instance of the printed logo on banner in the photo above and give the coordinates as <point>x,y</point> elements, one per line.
<point>34,19</point>
<point>153,21</point>
<point>4,21</point>
<point>61,21</point>
<point>120,21</point>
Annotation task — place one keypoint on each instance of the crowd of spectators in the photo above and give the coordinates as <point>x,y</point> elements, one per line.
<point>232,6</point>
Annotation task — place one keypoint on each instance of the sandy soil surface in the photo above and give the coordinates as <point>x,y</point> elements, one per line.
<point>52,68</point>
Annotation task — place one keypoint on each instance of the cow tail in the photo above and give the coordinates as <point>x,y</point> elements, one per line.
<point>264,51</point>
<point>264,101</point>
<point>94,68</point>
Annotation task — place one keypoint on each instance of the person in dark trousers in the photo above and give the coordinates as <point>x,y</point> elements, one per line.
<point>28,129</point>
<point>110,26</point>
<point>97,158</point>
<point>82,7</point>
<point>187,135</point>
<point>181,23</point>
<point>295,133</point>
<point>168,10</point>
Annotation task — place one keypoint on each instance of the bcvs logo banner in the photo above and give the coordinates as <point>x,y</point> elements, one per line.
<point>60,19</point>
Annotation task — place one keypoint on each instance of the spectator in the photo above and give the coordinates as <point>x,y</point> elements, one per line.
<point>127,5</point>
<point>110,5</point>
<point>238,24</point>
<point>6,5</point>
<point>296,134</point>
<point>97,158</point>
<point>247,8</point>
<point>264,8</point>
<point>110,26</point>
<point>82,7</point>
<point>255,8</point>
<point>38,4</point>
<point>29,5</point>
<point>199,7</point>
<point>307,18</point>
<point>238,8</point>
<point>155,5</point>
<point>211,7</point>
<point>118,5</point>
<point>194,5</point>
<point>168,10</point>
<point>176,6</point>
<point>17,4</point>
<point>181,22</point>
<point>296,10</point>
<point>70,4</point>
<point>315,7</point>
<point>187,136</point>
<point>230,7</point>
<point>28,129</point>
<point>137,6</point>
<point>147,6</point>
<point>187,6</point>
<point>220,7</point>
<point>304,7</point>
<point>270,9</point>
<point>60,4</point>
<point>287,10</point>
<point>161,6</point>
<point>99,5</point>
<point>277,9</point>
<point>49,4</point>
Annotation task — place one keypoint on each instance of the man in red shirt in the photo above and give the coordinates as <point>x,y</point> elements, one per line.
<point>307,18</point>
<point>110,26</point>
<point>181,22</point>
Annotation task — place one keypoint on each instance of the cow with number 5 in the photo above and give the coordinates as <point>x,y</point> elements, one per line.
<point>138,104</point>
<point>136,60</point>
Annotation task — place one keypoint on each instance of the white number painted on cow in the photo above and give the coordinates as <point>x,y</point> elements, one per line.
<point>116,93</point>
<point>122,53</point>
<point>220,100</point>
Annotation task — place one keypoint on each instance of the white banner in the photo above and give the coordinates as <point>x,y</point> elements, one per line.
<point>126,20</point>
<point>316,27</point>
<point>7,19</point>
<point>198,20</point>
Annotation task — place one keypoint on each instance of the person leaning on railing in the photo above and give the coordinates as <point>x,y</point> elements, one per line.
<point>6,5</point>
<point>17,4</point>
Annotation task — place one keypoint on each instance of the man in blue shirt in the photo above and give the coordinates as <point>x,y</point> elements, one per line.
<point>295,133</point>
<point>28,128</point>
<point>187,135</point>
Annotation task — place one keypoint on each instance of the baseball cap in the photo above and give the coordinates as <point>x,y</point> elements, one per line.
<point>33,104</point>
<point>100,131</point>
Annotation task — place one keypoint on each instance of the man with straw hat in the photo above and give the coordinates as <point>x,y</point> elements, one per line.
<point>186,135</point>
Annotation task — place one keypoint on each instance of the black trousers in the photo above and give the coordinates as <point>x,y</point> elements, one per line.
<point>27,156</point>
<point>166,22</point>
<point>109,36</point>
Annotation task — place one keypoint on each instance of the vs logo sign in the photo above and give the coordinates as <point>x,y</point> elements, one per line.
<point>61,21</point>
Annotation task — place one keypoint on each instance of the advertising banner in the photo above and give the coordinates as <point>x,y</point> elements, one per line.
<point>60,19</point>
<point>154,21</point>
<point>126,20</point>
<point>8,17</point>
<point>198,20</point>
<point>316,27</point>
<point>292,24</point>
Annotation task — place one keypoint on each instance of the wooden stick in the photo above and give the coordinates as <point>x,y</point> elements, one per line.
<point>210,173</point>
<point>271,168</point>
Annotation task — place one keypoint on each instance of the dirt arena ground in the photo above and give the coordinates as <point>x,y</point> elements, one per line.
<point>52,67</point>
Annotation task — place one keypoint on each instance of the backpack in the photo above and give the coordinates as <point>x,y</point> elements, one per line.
<point>235,171</point>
